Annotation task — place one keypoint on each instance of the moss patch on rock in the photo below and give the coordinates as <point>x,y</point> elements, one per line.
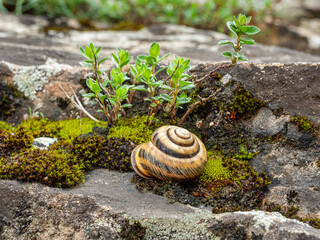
<point>304,123</point>
<point>65,162</point>
<point>132,230</point>
<point>134,129</point>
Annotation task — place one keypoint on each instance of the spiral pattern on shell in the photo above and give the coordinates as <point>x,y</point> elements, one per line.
<point>173,153</point>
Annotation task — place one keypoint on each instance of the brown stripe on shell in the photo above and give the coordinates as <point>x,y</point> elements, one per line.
<point>173,149</point>
<point>156,160</point>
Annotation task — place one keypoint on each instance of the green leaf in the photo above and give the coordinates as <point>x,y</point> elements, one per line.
<point>236,22</point>
<point>147,99</point>
<point>188,87</point>
<point>96,88</point>
<point>100,110</point>
<point>115,60</point>
<point>142,57</point>
<point>98,50</point>
<point>160,70</point>
<point>102,60</point>
<point>184,83</point>
<point>242,58</point>
<point>92,47</point>
<point>160,59</point>
<point>154,50</point>
<point>85,64</point>
<point>247,41</point>
<point>165,87</point>
<point>89,95</point>
<point>241,19</point>
<point>102,97</point>
<point>248,20</point>
<point>249,30</point>
<point>223,42</point>
<point>82,50</point>
<point>153,105</point>
<point>151,60</point>
<point>89,83</point>
<point>183,100</point>
<point>126,105</point>
<point>232,27</point>
<point>227,54</point>
<point>121,91</point>
<point>89,53</point>
<point>165,97</point>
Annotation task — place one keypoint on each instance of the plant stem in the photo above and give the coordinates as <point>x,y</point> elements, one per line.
<point>193,106</point>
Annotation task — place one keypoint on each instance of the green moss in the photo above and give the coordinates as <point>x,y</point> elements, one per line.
<point>214,170</point>
<point>132,230</point>
<point>314,222</point>
<point>54,168</point>
<point>245,102</point>
<point>221,170</point>
<point>304,123</point>
<point>72,128</point>
<point>291,213</point>
<point>245,154</point>
<point>40,127</point>
<point>97,151</point>
<point>134,129</point>
<point>5,126</point>
<point>13,143</point>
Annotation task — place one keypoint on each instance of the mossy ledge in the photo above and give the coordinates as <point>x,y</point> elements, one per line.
<point>64,164</point>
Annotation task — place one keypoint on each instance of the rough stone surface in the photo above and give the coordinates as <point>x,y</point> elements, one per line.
<point>293,88</point>
<point>33,210</point>
<point>295,177</point>
<point>43,142</point>
<point>24,44</point>
<point>266,123</point>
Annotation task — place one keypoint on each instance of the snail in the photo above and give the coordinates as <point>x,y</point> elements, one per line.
<point>173,153</point>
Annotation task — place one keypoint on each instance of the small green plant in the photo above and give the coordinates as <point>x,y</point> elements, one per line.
<point>110,93</point>
<point>240,28</point>
<point>114,95</point>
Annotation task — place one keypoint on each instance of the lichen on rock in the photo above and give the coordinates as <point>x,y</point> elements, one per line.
<point>30,80</point>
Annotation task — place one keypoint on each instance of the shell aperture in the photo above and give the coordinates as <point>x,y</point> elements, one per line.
<point>173,153</point>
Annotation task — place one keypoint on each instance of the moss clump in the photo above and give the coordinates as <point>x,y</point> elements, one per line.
<point>222,171</point>
<point>8,94</point>
<point>13,143</point>
<point>304,123</point>
<point>245,102</point>
<point>64,163</point>
<point>132,230</point>
<point>97,151</point>
<point>134,129</point>
<point>214,170</point>
<point>70,128</point>
<point>5,126</point>
<point>314,222</point>
<point>40,127</point>
<point>54,168</point>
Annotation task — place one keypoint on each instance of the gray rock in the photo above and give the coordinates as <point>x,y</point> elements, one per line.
<point>95,211</point>
<point>292,87</point>
<point>294,174</point>
<point>267,124</point>
<point>43,142</point>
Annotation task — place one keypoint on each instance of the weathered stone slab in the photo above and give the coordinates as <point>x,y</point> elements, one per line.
<point>87,212</point>
<point>25,44</point>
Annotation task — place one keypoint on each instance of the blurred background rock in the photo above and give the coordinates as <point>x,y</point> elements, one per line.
<point>288,23</point>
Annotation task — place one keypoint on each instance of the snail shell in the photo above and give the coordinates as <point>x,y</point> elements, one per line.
<point>173,153</point>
